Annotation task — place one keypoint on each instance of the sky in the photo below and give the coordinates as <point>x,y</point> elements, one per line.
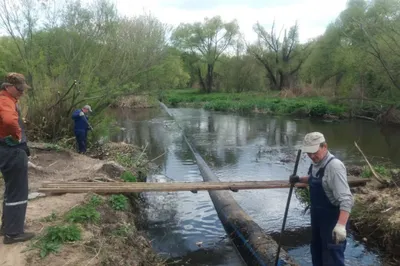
<point>312,16</point>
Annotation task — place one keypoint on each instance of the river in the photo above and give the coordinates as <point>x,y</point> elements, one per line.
<point>184,227</point>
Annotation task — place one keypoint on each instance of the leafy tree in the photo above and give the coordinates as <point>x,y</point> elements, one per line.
<point>208,40</point>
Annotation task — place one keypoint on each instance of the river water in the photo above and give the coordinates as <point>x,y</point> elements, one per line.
<point>184,227</point>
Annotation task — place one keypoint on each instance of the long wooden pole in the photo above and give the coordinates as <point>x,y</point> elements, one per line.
<point>125,187</point>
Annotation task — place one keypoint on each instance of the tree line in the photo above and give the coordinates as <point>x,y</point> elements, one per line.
<point>73,53</point>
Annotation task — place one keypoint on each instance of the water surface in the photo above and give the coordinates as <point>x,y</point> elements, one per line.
<point>185,228</point>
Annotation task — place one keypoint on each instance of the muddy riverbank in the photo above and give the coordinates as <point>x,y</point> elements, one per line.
<point>84,228</point>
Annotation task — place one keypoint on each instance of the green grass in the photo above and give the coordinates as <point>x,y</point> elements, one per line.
<point>55,236</point>
<point>119,202</point>
<point>86,213</point>
<point>51,218</point>
<point>249,102</point>
<point>95,200</point>
<point>128,177</point>
<point>380,169</point>
<point>83,214</point>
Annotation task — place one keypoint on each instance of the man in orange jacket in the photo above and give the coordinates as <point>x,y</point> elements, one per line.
<point>13,160</point>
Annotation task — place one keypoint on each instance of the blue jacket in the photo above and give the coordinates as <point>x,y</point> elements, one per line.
<point>81,122</point>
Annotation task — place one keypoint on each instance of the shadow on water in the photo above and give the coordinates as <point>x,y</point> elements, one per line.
<point>185,228</point>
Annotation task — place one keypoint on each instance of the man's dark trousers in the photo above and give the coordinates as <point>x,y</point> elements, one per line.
<point>14,168</point>
<point>81,140</point>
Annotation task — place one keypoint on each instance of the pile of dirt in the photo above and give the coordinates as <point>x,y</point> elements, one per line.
<point>112,240</point>
<point>98,246</point>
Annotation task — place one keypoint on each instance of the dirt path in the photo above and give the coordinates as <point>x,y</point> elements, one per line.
<point>52,165</point>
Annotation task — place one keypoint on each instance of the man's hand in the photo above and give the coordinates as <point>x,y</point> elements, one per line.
<point>294,179</point>
<point>339,233</point>
<point>81,113</point>
<point>10,141</point>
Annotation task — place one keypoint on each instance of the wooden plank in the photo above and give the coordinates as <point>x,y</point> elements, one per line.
<point>126,187</point>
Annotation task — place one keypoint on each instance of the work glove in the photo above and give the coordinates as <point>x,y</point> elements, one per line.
<point>339,233</point>
<point>10,141</point>
<point>294,179</point>
<point>81,113</point>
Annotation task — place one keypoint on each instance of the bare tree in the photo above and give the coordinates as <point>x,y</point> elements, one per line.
<point>282,59</point>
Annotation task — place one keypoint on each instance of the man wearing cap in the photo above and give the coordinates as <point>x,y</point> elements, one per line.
<point>81,127</point>
<point>14,154</point>
<point>331,201</point>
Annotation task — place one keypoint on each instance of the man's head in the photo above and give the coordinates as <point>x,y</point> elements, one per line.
<point>315,146</point>
<point>86,109</point>
<point>15,84</point>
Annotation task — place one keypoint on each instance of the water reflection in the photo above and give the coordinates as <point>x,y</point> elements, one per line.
<point>255,147</point>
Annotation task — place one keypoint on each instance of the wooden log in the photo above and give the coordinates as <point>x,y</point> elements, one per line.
<point>127,187</point>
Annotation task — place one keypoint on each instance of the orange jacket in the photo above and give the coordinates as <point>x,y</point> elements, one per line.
<point>9,116</point>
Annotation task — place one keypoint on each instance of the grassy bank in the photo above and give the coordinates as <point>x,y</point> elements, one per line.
<point>256,102</point>
<point>276,103</point>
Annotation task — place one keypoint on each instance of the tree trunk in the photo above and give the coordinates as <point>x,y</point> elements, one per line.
<point>209,78</point>
<point>203,85</point>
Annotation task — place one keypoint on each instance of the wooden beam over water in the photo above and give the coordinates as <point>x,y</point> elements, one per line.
<point>126,187</point>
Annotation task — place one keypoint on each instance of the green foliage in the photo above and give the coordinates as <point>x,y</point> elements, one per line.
<point>358,56</point>
<point>107,54</point>
<point>303,195</point>
<point>48,247</point>
<point>208,40</point>
<point>128,177</point>
<point>83,214</point>
<point>55,236</point>
<point>249,102</point>
<point>95,201</point>
<point>119,202</point>
<point>380,169</point>
<point>51,218</point>
<point>125,160</point>
<point>63,233</point>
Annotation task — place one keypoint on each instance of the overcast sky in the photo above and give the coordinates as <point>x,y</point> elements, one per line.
<point>312,15</point>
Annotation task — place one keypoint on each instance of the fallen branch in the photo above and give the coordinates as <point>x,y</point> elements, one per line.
<point>152,160</point>
<point>142,153</point>
<point>379,178</point>
<point>365,117</point>
<point>97,254</point>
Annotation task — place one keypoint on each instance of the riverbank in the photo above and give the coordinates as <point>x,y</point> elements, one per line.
<point>83,229</point>
<point>283,104</point>
<point>375,216</point>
